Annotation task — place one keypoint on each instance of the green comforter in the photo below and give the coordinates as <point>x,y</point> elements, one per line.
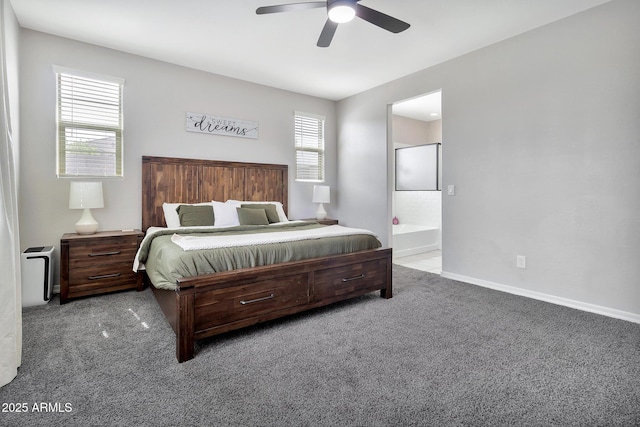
<point>165,261</point>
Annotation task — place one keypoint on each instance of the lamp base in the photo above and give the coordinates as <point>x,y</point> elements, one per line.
<point>86,224</point>
<point>321,213</point>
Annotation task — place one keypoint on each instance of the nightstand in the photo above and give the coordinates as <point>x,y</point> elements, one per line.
<point>326,221</point>
<point>92,264</point>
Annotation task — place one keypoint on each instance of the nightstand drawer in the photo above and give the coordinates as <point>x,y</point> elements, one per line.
<point>90,255</point>
<point>98,273</point>
<point>98,263</point>
<point>102,286</point>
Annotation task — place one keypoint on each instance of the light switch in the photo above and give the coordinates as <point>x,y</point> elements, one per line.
<point>451,190</point>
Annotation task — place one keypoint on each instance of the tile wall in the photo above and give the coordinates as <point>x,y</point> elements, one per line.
<point>418,207</point>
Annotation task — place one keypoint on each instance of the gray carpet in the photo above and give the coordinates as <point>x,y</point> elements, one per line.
<point>439,353</point>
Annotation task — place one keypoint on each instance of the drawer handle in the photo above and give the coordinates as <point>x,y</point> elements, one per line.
<point>104,276</point>
<point>106,253</point>
<point>361,276</point>
<point>243,302</point>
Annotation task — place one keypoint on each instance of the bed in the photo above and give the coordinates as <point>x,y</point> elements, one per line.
<point>205,305</point>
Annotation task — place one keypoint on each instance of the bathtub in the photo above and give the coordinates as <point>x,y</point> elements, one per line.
<point>409,239</point>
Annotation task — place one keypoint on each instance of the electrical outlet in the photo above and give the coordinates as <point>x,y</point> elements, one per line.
<point>521,261</point>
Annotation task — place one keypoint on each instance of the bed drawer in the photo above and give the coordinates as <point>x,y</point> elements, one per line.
<point>250,302</point>
<point>350,279</point>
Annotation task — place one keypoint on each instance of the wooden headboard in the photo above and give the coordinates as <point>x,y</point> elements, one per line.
<point>176,180</point>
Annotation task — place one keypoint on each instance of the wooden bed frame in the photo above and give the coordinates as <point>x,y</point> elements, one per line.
<point>207,305</point>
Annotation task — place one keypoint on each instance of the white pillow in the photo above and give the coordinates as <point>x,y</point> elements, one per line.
<point>171,215</point>
<point>225,214</point>
<point>281,215</point>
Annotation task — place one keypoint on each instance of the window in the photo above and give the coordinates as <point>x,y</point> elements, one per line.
<point>89,118</point>
<point>309,135</point>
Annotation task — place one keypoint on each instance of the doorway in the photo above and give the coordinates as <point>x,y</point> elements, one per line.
<point>416,234</point>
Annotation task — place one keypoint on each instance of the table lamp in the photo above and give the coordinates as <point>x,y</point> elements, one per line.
<point>321,194</point>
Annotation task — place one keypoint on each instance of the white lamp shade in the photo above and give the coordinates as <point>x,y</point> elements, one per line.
<point>85,195</point>
<point>321,194</point>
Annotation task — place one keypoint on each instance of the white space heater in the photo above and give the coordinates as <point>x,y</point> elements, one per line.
<point>37,275</point>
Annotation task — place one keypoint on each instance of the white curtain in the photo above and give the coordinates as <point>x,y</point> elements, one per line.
<point>10,292</point>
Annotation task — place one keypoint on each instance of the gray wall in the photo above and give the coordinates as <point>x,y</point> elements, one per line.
<point>415,132</point>
<point>156,97</point>
<point>542,144</point>
<point>408,131</point>
<point>541,136</point>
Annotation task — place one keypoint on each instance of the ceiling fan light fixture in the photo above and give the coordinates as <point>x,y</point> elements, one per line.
<point>341,11</point>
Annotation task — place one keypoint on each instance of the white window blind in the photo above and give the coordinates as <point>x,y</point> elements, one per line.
<point>89,120</point>
<point>309,135</point>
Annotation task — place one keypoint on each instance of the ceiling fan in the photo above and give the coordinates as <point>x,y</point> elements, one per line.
<point>340,11</point>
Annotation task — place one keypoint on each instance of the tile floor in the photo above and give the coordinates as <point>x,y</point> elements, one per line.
<point>427,261</point>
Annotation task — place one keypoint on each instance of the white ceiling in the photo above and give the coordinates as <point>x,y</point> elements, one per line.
<point>226,37</point>
<point>424,107</point>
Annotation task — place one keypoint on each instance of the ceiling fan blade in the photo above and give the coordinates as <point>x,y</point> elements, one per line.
<point>327,33</point>
<point>380,19</point>
<point>290,7</point>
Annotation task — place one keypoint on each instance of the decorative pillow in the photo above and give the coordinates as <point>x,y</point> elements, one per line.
<point>269,209</point>
<point>225,215</point>
<point>191,215</point>
<point>171,215</point>
<point>252,216</point>
<point>281,215</point>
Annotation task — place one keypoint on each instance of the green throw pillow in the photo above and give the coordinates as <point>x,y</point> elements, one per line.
<point>270,210</point>
<point>252,216</point>
<point>191,215</point>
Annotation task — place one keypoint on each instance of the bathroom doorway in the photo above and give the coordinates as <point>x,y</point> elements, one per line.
<point>415,127</point>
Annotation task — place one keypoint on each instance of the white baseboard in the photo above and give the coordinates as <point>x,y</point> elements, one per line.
<point>579,305</point>
<point>56,289</point>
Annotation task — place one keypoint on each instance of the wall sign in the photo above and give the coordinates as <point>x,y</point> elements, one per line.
<point>205,123</point>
